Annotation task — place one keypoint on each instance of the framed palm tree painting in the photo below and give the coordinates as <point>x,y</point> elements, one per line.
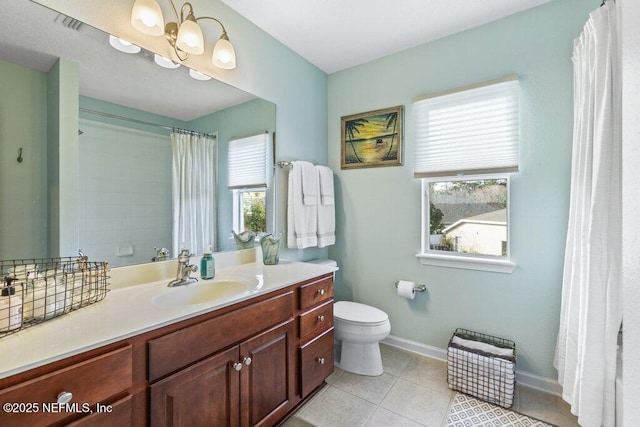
<point>372,139</point>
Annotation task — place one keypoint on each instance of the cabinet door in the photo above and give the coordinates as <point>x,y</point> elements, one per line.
<point>267,380</point>
<point>205,394</point>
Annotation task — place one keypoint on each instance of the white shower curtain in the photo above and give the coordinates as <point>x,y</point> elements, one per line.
<point>591,295</point>
<point>194,192</point>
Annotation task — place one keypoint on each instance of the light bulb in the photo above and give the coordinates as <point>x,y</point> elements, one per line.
<point>147,18</point>
<point>190,38</point>
<point>198,75</point>
<point>123,45</point>
<point>224,55</point>
<point>164,62</point>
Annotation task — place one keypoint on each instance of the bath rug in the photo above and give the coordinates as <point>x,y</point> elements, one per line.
<point>467,411</point>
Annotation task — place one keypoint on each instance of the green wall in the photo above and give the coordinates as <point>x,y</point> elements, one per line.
<point>23,195</point>
<point>379,209</point>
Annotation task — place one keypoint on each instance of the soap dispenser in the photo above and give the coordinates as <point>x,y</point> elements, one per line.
<point>10,307</point>
<point>208,265</point>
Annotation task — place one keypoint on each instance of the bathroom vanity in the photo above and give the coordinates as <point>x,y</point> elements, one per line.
<point>143,357</point>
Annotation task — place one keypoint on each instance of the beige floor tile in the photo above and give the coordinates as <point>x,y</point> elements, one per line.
<point>428,372</point>
<point>336,408</point>
<point>337,372</point>
<point>371,389</point>
<point>544,406</point>
<point>416,402</point>
<point>385,418</point>
<point>296,422</point>
<point>394,360</point>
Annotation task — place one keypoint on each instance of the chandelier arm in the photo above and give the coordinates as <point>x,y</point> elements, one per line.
<point>186,4</point>
<point>224,31</point>
<point>175,11</point>
<point>177,51</point>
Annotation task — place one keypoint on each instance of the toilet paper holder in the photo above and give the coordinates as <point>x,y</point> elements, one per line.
<point>418,287</point>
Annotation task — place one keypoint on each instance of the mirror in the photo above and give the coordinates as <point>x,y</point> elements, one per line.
<point>104,187</point>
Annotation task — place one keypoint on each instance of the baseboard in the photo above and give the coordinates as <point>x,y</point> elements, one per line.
<point>524,378</point>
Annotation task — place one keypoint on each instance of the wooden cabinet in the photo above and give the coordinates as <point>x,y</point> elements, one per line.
<point>248,364</point>
<point>204,394</point>
<point>68,392</point>
<point>268,379</point>
<point>250,384</point>
<point>315,333</point>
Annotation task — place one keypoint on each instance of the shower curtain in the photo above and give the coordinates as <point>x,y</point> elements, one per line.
<point>194,192</point>
<point>591,311</point>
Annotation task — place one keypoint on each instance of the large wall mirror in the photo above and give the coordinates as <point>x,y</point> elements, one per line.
<point>118,162</point>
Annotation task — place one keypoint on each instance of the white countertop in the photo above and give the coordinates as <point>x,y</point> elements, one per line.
<point>130,311</point>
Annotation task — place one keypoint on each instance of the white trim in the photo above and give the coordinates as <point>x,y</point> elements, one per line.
<point>524,378</point>
<point>467,262</point>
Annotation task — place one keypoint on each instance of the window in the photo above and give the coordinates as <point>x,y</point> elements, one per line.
<point>466,146</point>
<point>249,211</point>
<point>248,181</point>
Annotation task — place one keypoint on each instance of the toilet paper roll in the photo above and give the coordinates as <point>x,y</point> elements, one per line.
<point>406,289</point>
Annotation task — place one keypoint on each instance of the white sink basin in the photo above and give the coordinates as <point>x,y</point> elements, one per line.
<point>220,288</point>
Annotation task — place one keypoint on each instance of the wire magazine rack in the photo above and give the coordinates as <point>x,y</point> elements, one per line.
<point>40,289</point>
<point>483,374</point>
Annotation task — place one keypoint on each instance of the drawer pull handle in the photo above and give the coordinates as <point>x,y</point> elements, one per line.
<point>65,397</point>
<point>237,366</point>
<point>321,318</point>
<point>320,291</point>
<point>247,360</point>
<point>320,360</point>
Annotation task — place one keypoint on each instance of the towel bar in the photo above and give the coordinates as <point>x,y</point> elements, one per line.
<point>419,287</point>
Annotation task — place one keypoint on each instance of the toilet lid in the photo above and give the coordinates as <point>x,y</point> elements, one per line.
<point>360,313</point>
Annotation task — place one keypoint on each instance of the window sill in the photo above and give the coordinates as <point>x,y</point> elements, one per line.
<point>466,262</point>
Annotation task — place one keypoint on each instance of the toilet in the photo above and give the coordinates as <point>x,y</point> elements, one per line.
<point>358,330</point>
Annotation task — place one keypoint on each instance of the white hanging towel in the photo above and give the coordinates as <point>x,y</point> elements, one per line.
<point>302,220</point>
<point>309,183</point>
<point>326,208</point>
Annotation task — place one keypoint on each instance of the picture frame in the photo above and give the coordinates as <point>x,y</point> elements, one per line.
<point>372,139</point>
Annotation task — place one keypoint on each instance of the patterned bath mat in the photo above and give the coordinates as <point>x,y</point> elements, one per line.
<point>467,411</point>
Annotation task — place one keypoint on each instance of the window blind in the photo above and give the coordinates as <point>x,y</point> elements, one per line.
<point>468,131</point>
<point>248,162</point>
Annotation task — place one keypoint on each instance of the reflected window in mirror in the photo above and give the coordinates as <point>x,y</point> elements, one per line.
<point>249,210</point>
<point>248,181</point>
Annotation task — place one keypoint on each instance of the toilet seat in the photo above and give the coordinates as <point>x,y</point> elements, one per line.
<point>354,313</point>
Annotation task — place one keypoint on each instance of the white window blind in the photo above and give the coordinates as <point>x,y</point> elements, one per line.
<point>469,131</point>
<point>248,162</point>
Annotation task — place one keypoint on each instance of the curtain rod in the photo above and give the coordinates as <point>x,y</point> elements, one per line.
<point>141,122</point>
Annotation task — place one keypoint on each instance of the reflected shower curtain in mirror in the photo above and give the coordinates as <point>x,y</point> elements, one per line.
<point>591,310</point>
<point>194,192</point>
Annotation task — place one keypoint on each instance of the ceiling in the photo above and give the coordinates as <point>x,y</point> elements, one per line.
<point>339,34</point>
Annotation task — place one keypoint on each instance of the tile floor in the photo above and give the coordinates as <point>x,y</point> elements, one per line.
<point>412,391</point>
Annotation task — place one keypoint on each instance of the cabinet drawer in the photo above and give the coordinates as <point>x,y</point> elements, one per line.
<point>316,292</point>
<point>91,381</point>
<point>119,413</point>
<point>315,321</point>
<point>316,362</point>
<point>176,350</point>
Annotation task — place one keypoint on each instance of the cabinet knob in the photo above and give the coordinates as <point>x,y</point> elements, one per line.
<point>247,360</point>
<point>320,291</point>
<point>237,366</point>
<point>321,318</point>
<point>65,397</point>
<point>320,360</point>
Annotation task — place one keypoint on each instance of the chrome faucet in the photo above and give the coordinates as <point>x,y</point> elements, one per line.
<point>161,254</point>
<point>184,269</point>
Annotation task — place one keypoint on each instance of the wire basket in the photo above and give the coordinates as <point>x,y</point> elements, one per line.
<point>41,289</point>
<point>482,366</point>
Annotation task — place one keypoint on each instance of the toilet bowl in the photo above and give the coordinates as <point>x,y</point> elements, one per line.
<point>358,329</point>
